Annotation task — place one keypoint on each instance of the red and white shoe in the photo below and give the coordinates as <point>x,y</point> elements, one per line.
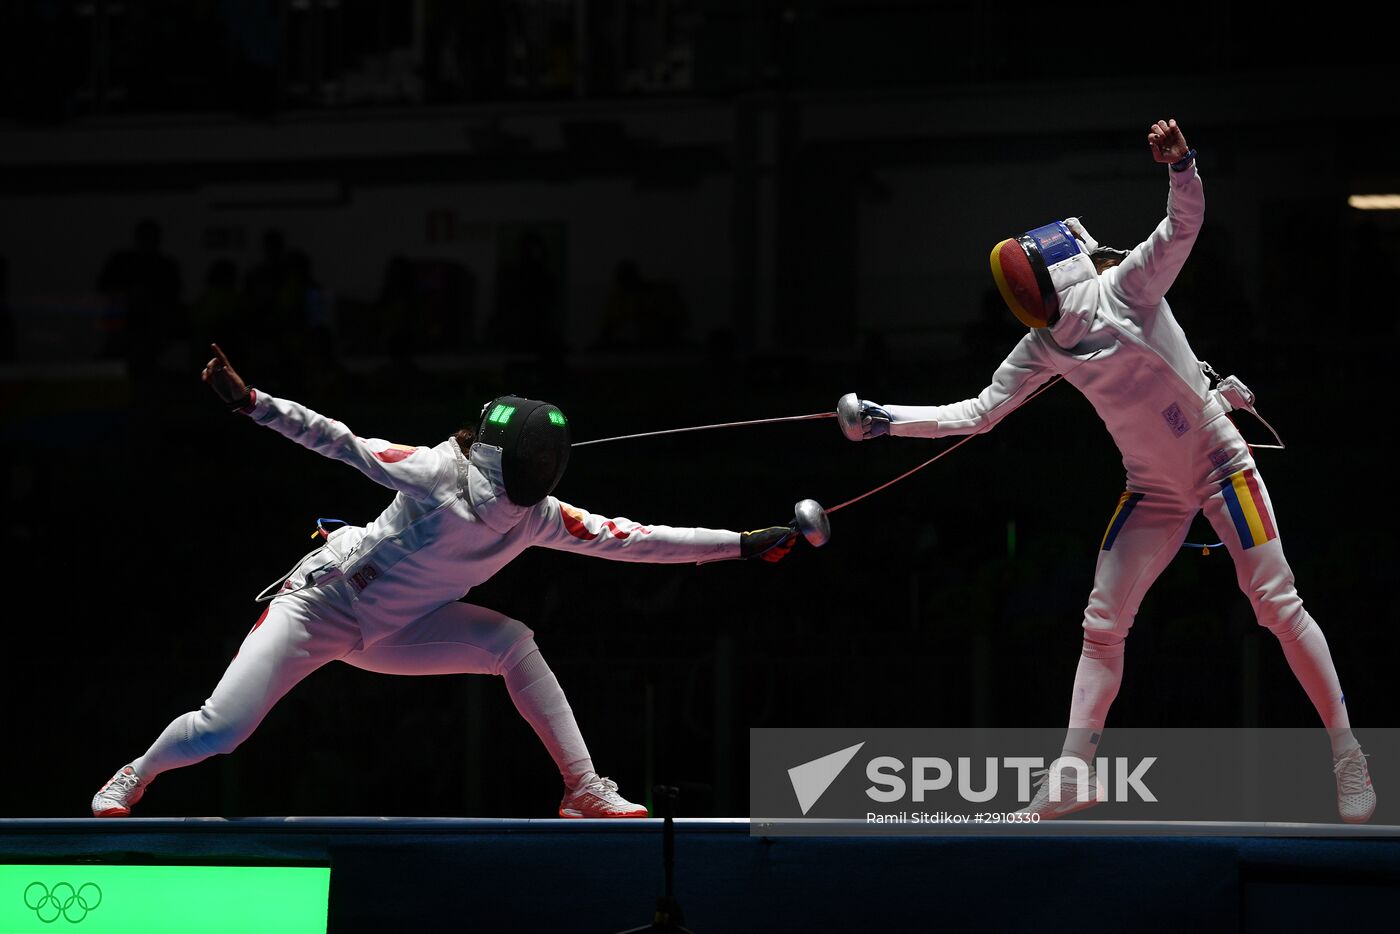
<point>1356,798</point>
<point>1074,794</point>
<point>117,796</point>
<point>598,797</point>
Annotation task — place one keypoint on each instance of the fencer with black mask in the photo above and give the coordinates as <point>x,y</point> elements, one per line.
<point>385,597</point>
<point>1099,318</point>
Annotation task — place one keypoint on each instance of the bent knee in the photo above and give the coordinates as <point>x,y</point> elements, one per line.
<point>1288,622</point>
<point>1102,629</point>
<point>1103,644</point>
<point>521,647</point>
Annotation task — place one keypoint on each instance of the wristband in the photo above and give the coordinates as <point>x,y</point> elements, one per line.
<point>245,405</point>
<point>1182,164</point>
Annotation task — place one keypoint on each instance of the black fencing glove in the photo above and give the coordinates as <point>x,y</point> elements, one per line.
<point>770,544</point>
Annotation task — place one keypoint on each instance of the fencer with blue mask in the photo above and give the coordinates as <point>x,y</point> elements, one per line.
<point>1099,318</point>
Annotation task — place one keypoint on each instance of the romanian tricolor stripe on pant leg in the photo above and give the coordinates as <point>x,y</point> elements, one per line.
<point>1126,502</point>
<point>1249,512</point>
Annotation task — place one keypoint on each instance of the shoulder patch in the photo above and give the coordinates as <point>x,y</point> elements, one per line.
<point>395,453</point>
<point>573,522</point>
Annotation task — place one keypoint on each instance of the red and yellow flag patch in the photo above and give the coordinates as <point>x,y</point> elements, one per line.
<point>1244,498</point>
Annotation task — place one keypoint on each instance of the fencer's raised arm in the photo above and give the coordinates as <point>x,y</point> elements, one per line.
<point>1019,375</point>
<point>414,471</point>
<point>1152,266</point>
<point>569,528</point>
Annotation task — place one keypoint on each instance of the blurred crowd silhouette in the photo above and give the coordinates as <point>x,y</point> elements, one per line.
<point>279,312</point>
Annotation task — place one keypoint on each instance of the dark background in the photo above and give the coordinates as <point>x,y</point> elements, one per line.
<point>655,213</point>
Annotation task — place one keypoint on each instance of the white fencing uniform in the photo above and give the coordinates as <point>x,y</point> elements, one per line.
<point>384,597</point>
<point>1117,341</point>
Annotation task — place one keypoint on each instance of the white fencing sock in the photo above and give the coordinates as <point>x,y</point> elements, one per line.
<point>541,701</point>
<point>1096,683</point>
<point>1305,648</point>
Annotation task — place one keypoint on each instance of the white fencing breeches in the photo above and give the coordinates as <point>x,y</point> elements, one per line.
<point>1145,533</point>
<point>301,632</point>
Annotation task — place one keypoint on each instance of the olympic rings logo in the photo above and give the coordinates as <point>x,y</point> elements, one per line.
<point>64,901</point>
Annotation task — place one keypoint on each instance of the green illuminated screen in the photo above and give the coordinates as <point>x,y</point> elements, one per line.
<point>160,899</point>
<point>556,416</point>
<point>501,414</point>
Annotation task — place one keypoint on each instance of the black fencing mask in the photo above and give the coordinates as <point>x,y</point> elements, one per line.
<point>534,440</point>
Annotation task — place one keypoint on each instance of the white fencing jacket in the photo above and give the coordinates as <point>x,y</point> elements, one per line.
<point>1117,341</point>
<point>450,526</point>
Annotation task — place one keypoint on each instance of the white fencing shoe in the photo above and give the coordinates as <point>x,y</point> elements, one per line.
<point>117,796</point>
<point>1356,799</point>
<point>598,797</point>
<point>1074,795</point>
